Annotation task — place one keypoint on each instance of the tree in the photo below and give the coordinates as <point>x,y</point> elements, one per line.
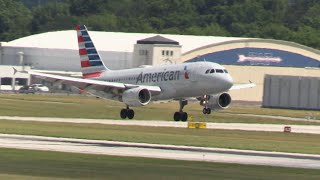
<point>312,17</point>
<point>53,16</point>
<point>277,9</point>
<point>276,31</point>
<point>308,36</point>
<point>15,20</point>
<point>276,19</point>
<point>101,22</point>
<point>87,7</point>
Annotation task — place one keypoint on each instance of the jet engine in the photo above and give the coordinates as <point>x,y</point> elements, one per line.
<point>219,101</point>
<point>136,97</point>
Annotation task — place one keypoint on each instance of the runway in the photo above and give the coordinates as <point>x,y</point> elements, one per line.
<point>311,129</point>
<point>306,119</point>
<point>160,151</point>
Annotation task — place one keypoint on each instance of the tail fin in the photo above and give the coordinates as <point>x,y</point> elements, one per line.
<point>91,62</point>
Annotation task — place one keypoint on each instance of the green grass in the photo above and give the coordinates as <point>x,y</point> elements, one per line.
<point>84,107</point>
<point>25,164</point>
<point>28,164</point>
<point>267,141</point>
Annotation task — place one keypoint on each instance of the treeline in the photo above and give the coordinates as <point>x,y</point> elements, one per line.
<point>291,20</point>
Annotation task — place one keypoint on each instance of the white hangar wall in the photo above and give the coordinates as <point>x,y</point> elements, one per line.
<point>116,48</point>
<point>291,92</point>
<point>60,59</point>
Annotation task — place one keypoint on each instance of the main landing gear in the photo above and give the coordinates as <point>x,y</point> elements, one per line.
<point>127,113</point>
<point>181,116</point>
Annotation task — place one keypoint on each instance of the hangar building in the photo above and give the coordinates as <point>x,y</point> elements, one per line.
<point>295,92</point>
<point>245,58</point>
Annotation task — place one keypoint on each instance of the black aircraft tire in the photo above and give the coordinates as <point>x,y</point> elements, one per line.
<point>123,113</point>
<point>130,113</point>
<point>176,116</point>
<point>184,116</point>
<point>204,111</point>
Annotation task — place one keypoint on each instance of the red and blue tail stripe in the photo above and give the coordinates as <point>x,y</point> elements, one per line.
<point>91,62</point>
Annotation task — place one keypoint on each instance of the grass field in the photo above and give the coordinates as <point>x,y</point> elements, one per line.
<point>267,141</point>
<point>86,107</point>
<point>27,164</point>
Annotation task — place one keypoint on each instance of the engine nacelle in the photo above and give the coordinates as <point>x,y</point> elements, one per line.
<point>136,97</point>
<point>219,101</point>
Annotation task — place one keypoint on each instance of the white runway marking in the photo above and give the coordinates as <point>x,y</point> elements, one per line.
<point>160,151</point>
<point>311,129</point>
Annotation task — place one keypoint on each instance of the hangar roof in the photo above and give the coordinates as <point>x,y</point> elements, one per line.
<point>110,41</point>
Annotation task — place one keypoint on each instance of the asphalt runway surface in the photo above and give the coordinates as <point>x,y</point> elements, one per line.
<point>160,151</point>
<point>311,129</point>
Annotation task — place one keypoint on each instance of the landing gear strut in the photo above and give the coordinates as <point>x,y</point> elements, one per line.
<point>127,113</point>
<point>206,109</point>
<point>181,116</point>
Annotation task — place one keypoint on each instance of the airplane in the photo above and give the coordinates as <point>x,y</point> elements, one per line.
<point>208,82</point>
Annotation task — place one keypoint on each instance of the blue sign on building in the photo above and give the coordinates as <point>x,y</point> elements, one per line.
<point>258,57</point>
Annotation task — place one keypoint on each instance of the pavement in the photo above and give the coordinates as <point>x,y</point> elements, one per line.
<point>306,119</point>
<point>310,129</point>
<point>160,151</point>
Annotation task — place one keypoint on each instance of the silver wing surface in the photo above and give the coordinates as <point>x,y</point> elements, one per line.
<point>105,89</point>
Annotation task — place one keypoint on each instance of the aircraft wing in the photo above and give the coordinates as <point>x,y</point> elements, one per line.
<point>242,86</point>
<point>88,84</point>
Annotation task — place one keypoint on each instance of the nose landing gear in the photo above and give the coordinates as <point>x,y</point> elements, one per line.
<point>204,102</point>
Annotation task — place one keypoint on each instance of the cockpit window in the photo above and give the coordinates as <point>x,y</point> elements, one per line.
<point>207,71</point>
<point>219,71</point>
<point>225,71</point>
<point>212,71</point>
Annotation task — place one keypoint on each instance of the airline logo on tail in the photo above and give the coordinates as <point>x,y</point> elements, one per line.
<point>91,63</point>
<point>186,73</point>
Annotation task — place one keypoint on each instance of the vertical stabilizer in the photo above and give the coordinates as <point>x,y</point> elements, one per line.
<point>91,62</point>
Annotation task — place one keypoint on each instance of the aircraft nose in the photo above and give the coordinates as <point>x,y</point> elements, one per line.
<point>228,81</point>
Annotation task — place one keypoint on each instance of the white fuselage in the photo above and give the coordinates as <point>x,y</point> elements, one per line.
<point>177,80</point>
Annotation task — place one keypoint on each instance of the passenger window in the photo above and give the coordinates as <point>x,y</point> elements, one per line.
<point>207,71</point>
<point>219,70</point>
<point>225,71</point>
<point>212,71</point>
